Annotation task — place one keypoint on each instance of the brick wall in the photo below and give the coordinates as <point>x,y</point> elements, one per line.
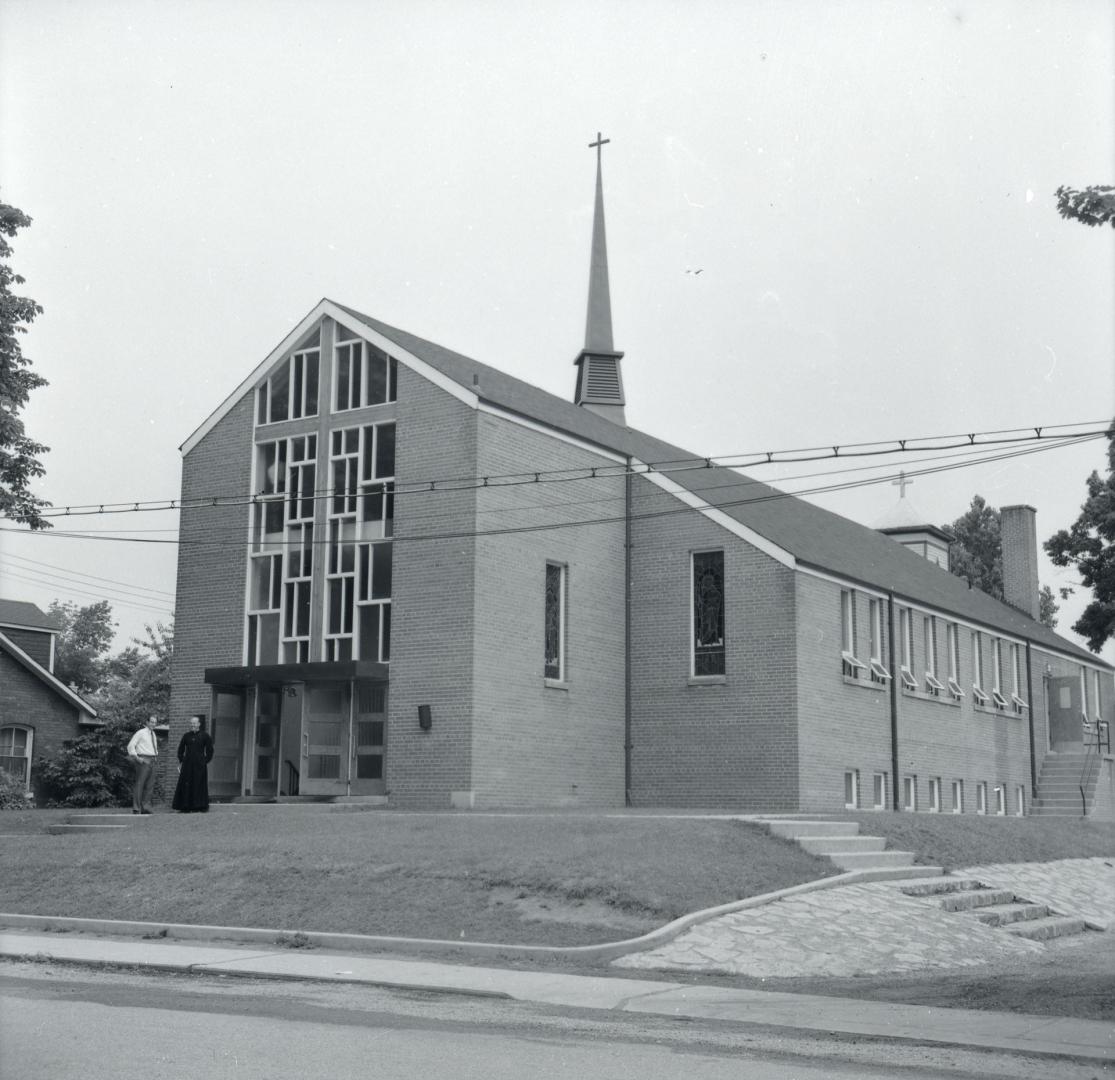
<point>846,723</point>
<point>33,642</point>
<point>26,701</point>
<point>432,601</point>
<point>533,743</point>
<point>212,565</point>
<point>730,744</point>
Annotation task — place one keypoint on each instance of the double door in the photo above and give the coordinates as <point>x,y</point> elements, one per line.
<point>330,737</point>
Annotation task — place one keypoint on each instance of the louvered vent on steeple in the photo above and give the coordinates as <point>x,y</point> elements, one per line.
<point>599,382</point>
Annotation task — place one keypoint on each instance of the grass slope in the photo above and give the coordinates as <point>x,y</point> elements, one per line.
<point>539,879</point>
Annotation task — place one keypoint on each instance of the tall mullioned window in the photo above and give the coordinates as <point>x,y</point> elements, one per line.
<point>554,629</point>
<point>708,613</point>
<point>281,560</point>
<point>359,554</point>
<point>290,392</point>
<point>363,374</point>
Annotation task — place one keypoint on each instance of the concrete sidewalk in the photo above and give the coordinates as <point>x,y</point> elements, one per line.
<point>1044,1035</point>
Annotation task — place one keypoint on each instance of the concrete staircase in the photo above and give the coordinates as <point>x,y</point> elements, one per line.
<point>998,907</point>
<point>1058,793</point>
<point>841,842</point>
<point>85,821</point>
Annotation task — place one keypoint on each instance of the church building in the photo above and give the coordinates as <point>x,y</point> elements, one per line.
<point>406,577</point>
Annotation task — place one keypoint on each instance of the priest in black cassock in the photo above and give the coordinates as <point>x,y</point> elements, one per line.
<point>195,751</point>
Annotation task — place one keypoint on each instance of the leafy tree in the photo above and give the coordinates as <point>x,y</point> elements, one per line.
<point>93,769</point>
<point>86,633</point>
<point>1093,205</point>
<point>1089,546</point>
<point>19,455</point>
<point>976,555</point>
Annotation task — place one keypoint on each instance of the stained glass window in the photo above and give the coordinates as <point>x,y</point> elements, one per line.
<point>555,620</point>
<point>708,613</point>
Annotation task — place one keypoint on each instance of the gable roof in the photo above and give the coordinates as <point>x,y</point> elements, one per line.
<point>52,681</point>
<point>816,537</point>
<point>26,616</point>
<point>811,536</point>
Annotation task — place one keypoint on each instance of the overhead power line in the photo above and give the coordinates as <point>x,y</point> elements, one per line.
<point>770,496</point>
<point>673,466</point>
<point>80,578</point>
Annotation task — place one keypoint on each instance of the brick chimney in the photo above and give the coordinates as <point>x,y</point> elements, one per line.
<point>1018,526</point>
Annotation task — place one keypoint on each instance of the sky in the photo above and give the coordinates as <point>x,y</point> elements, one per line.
<point>867,189</point>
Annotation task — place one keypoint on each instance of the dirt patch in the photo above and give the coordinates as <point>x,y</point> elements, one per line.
<point>537,908</point>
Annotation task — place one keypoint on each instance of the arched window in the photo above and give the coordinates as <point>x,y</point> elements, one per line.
<point>15,751</point>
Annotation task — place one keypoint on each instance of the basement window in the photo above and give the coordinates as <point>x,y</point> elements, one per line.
<point>934,794</point>
<point>957,797</point>
<point>851,789</point>
<point>879,792</point>
<point>910,793</point>
<point>981,797</point>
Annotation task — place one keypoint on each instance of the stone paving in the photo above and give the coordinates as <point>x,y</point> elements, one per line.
<point>1084,887</point>
<point>873,928</point>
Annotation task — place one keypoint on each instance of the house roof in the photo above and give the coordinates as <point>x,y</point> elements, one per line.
<point>53,682</point>
<point>815,537</point>
<point>23,614</point>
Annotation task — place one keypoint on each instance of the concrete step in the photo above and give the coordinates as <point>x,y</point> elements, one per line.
<point>1055,811</point>
<point>1044,929</point>
<point>827,845</point>
<point>912,874</point>
<point>866,860</point>
<point>123,817</point>
<point>65,830</point>
<point>1004,914</point>
<point>793,829</point>
<point>965,901</point>
<point>941,888</point>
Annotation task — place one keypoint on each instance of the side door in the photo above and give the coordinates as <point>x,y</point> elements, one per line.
<point>1065,707</point>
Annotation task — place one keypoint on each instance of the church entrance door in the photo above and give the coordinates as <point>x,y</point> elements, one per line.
<point>326,727</point>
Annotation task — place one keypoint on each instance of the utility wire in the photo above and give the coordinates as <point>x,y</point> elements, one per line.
<point>669,466</point>
<point>159,593</point>
<point>71,591</point>
<point>773,495</point>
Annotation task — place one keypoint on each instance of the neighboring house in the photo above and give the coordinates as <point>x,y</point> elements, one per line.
<point>384,593</point>
<point>38,712</point>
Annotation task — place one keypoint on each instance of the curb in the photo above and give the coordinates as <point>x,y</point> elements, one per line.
<point>374,943</point>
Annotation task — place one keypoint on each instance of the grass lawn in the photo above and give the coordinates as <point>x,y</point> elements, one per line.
<point>955,841</point>
<point>532,878</point>
<point>518,879</point>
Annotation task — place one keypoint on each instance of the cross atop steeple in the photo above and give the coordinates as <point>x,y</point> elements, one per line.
<point>902,484</point>
<point>597,145</point>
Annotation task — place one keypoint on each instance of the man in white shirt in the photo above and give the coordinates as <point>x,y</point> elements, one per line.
<point>143,752</point>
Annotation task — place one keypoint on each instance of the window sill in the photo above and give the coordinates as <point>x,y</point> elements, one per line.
<point>863,684</point>
<point>938,699</point>
<point>555,684</point>
<point>707,680</point>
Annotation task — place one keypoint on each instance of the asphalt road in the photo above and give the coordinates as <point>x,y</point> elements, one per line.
<point>58,1023</point>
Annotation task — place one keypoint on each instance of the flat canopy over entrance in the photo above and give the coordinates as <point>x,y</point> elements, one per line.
<point>319,671</point>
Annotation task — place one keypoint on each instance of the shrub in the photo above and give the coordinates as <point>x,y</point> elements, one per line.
<point>13,795</point>
<point>91,769</point>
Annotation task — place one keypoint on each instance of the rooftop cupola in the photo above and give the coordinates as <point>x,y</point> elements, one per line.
<point>599,380</point>
<point>906,524</point>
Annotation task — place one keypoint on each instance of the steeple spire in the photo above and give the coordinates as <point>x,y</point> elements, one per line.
<point>599,382</point>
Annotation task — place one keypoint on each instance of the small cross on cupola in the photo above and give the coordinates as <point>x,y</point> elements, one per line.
<point>599,380</point>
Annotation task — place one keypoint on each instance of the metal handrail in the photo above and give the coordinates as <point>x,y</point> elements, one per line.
<point>1102,733</point>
